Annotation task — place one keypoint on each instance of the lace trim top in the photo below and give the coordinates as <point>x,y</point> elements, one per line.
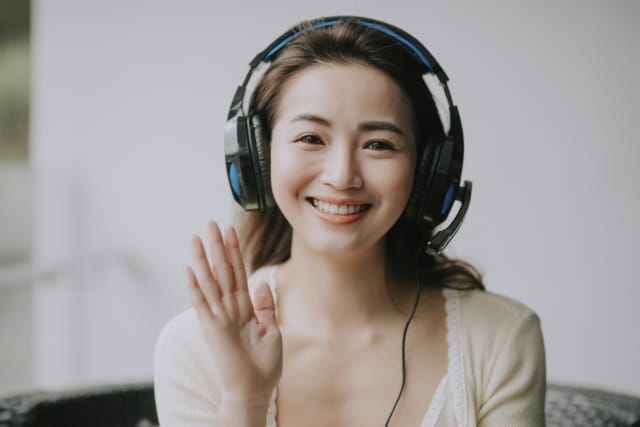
<point>455,371</point>
<point>495,376</point>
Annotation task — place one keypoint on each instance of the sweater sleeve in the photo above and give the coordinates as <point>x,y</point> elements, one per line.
<point>515,389</point>
<point>185,386</point>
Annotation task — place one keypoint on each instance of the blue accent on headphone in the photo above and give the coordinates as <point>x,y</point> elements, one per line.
<point>378,27</point>
<point>234,179</point>
<point>448,199</point>
<point>280,45</point>
<point>401,39</point>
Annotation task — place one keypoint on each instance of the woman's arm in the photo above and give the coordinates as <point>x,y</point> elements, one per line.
<point>243,414</point>
<point>219,365</point>
<point>516,383</point>
<point>187,389</point>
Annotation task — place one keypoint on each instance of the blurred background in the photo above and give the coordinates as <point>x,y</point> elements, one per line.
<point>111,158</point>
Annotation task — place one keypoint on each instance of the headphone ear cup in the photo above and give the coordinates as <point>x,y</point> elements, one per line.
<point>262,163</point>
<point>436,182</point>
<point>241,171</point>
<point>422,181</point>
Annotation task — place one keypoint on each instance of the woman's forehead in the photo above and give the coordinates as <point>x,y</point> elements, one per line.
<point>349,91</point>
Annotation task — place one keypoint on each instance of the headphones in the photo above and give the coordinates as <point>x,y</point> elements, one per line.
<point>438,172</point>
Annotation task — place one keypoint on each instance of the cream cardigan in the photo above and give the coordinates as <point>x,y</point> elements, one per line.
<point>496,373</point>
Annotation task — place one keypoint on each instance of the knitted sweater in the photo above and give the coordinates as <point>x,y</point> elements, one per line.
<point>495,377</point>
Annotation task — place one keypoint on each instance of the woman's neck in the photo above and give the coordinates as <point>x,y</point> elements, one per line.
<point>327,297</point>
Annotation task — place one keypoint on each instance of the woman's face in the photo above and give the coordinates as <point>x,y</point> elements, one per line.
<point>342,156</point>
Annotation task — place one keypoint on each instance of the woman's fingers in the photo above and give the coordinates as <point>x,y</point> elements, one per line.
<point>203,308</point>
<point>240,275</point>
<point>246,349</point>
<point>235,257</point>
<point>203,275</point>
<point>221,278</point>
<point>264,305</point>
<point>220,263</point>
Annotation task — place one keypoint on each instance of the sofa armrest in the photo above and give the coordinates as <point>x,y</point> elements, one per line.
<point>130,405</point>
<point>569,405</point>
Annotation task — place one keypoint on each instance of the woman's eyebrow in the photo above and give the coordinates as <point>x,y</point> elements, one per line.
<point>311,118</point>
<point>365,126</point>
<point>380,125</point>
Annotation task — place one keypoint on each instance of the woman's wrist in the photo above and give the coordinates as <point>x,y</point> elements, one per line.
<point>239,411</point>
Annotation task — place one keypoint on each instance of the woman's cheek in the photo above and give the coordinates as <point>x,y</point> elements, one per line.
<point>288,171</point>
<point>395,181</point>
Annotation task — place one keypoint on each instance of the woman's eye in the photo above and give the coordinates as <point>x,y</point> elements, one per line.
<point>309,139</point>
<point>380,145</point>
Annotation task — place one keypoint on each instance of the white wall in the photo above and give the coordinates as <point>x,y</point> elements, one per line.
<point>129,102</point>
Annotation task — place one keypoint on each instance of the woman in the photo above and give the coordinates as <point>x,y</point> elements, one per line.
<point>351,316</point>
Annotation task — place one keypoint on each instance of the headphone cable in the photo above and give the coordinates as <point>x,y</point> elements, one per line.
<point>422,247</point>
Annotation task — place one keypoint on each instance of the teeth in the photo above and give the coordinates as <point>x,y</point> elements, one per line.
<point>338,209</point>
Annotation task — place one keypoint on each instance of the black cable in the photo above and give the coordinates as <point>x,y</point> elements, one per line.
<point>421,250</point>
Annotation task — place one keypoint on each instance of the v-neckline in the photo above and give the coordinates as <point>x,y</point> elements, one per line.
<point>438,398</point>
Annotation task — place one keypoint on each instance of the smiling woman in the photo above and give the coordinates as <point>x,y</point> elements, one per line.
<point>321,160</point>
<point>352,315</point>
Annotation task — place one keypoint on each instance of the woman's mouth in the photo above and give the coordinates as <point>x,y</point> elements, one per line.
<point>339,212</point>
<point>339,209</point>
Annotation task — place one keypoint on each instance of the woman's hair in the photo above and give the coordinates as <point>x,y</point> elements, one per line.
<point>266,234</point>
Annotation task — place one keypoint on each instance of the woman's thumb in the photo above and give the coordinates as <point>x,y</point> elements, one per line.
<point>264,304</point>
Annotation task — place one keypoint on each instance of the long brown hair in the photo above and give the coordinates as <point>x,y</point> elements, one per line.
<point>266,235</point>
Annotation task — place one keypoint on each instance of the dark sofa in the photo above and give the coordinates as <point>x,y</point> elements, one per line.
<point>132,405</point>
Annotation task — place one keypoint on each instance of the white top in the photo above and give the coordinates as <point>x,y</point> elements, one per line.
<point>496,368</point>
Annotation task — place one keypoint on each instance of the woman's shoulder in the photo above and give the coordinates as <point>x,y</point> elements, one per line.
<point>182,327</point>
<point>491,327</point>
<point>186,383</point>
<point>488,309</point>
<point>180,341</point>
<point>182,360</point>
<point>488,324</point>
<point>498,341</point>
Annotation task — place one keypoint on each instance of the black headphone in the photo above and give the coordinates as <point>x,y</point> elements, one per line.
<point>437,180</point>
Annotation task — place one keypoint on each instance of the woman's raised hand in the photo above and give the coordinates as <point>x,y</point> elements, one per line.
<point>243,337</point>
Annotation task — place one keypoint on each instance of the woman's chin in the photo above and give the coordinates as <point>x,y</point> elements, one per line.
<point>338,246</point>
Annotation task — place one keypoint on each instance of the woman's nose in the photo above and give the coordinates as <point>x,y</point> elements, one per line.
<point>342,169</point>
